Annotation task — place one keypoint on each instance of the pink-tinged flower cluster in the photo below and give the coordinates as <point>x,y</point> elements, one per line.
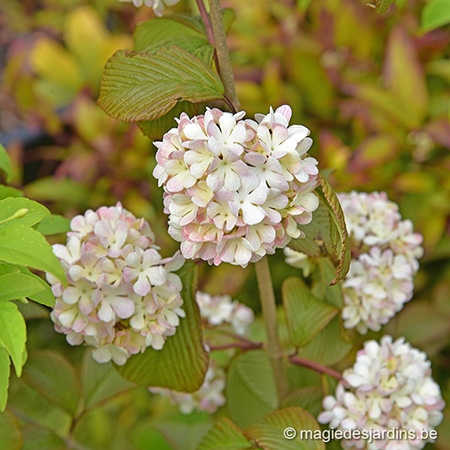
<point>236,189</point>
<point>157,5</point>
<point>221,309</point>
<point>389,387</point>
<point>386,252</point>
<point>208,398</point>
<point>122,297</point>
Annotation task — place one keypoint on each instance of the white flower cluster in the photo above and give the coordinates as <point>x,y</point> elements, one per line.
<point>236,189</point>
<point>389,387</point>
<point>386,252</point>
<point>157,5</point>
<point>122,297</point>
<point>208,398</point>
<point>220,309</point>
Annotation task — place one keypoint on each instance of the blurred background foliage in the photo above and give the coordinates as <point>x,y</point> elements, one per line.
<point>375,92</point>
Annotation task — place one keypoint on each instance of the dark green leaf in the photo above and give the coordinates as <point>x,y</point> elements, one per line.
<point>382,6</point>
<point>306,315</point>
<point>10,435</point>
<point>22,245</point>
<point>143,86</point>
<point>21,211</point>
<point>13,334</point>
<point>45,295</point>
<point>100,382</point>
<point>37,438</point>
<point>155,129</point>
<point>5,163</point>
<point>268,434</point>
<point>54,377</point>
<point>323,275</point>
<point>328,347</point>
<point>251,389</point>
<point>182,363</point>
<point>308,398</point>
<point>224,435</point>
<point>5,362</point>
<point>54,224</point>
<point>338,228</point>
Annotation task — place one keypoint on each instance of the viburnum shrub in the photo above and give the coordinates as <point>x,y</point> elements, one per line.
<point>235,189</point>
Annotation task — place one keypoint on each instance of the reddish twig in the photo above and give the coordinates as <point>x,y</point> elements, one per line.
<point>208,27</point>
<point>315,366</point>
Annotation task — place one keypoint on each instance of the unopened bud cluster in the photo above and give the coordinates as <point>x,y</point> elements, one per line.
<point>122,297</point>
<point>236,189</point>
<point>389,387</point>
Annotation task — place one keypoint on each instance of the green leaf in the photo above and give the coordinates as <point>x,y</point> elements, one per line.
<point>308,398</point>
<point>251,389</point>
<point>147,438</point>
<point>155,129</point>
<point>268,434</point>
<point>322,289</point>
<point>8,191</point>
<point>54,377</point>
<point>63,190</point>
<point>435,14</point>
<point>306,315</point>
<point>37,438</point>
<point>13,334</point>
<point>22,245</point>
<point>224,435</point>
<point>5,163</point>
<point>21,211</point>
<point>55,224</point>
<point>328,347</point>
<point>318,240</point>
<point>184,432</point>
<point>10,435</point>
<point>45,295</point>
<point>101,382</point>
<point>404,76</point>
<point>338,228</point>
<point>182,363</point>
<point>166,31</point>
<point>5,363</point>
<point>382,6</point>
<point>15,286</point>
<point>145,87</point>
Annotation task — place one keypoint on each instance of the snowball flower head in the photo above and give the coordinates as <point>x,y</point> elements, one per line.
<point>236,189</point>
<point>208,398</point>
<point>389,388</point>
<point>385,252</point>
<point>221,309</point>
<point>122,297</point>
<point>157,5</point>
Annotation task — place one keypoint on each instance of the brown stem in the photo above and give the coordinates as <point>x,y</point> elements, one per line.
<point>242,345</point>
<point>223,56</point>
<point>315,366</point>
<point>269,310</point>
